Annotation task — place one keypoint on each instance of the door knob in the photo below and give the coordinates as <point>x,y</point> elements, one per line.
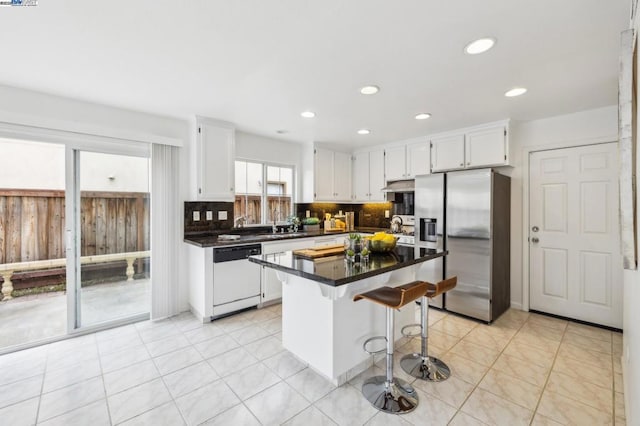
<point>535,240</point>
<point>535,229</point>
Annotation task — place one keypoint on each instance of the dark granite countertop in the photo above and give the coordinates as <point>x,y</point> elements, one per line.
<point>247,237</point>
<point>335,271</point>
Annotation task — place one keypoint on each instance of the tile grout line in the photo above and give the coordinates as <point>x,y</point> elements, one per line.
<point>546,382</point>
<point>459,410</point>
<point>44,375</point>
<point>104,386</point>
<point>221,378</point>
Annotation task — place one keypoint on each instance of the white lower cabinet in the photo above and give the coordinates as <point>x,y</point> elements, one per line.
<point>271,285</point>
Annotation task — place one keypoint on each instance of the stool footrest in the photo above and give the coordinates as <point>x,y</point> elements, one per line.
<point>409,333</point>
<point>371,339</point>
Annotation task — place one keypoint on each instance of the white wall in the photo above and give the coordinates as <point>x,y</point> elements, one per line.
<point>25,107</point>
<point>38,109</point>
<point>631,320</point>
<point>32,165</point>
<point>580,128</point>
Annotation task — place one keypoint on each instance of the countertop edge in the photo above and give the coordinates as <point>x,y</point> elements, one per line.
<point>266,238</point>
<point>347,280</point>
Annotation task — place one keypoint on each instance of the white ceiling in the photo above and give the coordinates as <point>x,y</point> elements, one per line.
<point>259,63</point>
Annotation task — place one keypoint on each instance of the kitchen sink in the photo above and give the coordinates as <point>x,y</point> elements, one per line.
<point>281,235</point>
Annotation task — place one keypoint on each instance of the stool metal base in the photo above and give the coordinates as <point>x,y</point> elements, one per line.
<point>397,398</point>
<point>431,369</point>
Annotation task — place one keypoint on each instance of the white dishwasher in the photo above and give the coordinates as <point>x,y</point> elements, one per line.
<point>236,281</point>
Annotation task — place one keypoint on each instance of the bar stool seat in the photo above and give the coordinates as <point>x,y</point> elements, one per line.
<point>388,393</point>
<point>422,365</point>
<point>395,297</point>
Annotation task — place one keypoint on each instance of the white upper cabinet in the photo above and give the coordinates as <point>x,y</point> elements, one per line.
<point>418,159</point>
<point>361,171</point>
<point>447,153</point>
<point>368,176</point>
<point>332,175</point>
<point>395,163</point>
<point>342,176</point>
<point>323,175</point>
<point>376,176</point>
<point>480,147</point>
<point>408,160</point>
<point>216,160</point>
<point>486,147</point>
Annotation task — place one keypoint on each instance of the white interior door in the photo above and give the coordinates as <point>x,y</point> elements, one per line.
<point>575,264</point>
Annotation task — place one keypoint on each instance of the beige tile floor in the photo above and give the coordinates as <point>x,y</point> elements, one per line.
<point>523,369</point>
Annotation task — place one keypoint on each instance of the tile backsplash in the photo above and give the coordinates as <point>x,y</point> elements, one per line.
<point>203,225</point>
<point>366,215</point>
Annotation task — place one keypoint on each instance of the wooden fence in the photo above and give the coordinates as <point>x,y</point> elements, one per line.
<point>32,224</point>
<point>250,206</point>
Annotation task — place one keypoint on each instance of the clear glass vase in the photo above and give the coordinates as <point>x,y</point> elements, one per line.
<point>356,250</point>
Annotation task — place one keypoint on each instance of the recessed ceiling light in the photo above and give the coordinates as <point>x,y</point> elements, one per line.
<point>308,114</point>
<point>516,91</point>
<point>423,116</point>
<point>480,46</point>
<point>369,90</point>
<point>364,131</point>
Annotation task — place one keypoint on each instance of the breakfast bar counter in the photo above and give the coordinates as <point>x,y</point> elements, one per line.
<point>321,324</point>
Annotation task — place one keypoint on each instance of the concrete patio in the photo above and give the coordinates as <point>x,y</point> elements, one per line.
<point>31,318</point>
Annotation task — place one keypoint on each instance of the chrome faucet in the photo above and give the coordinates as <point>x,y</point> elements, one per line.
<point>274,227</point>
<point>240,221</point>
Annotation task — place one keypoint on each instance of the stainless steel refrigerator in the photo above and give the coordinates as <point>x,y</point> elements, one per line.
<point>429,211</point>
<point>475,209</point>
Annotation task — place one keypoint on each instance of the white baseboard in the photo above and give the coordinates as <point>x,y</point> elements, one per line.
<point>516,305</point>
<point>198,315</point>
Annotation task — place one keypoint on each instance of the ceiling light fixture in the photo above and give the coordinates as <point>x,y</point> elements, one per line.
<point>516,91</point>
<point>479,46</point>
<point>369,90</point>
<point>281,131</point>
<point>423,116</point>
<point>308,114</point>
<point>364,131</point>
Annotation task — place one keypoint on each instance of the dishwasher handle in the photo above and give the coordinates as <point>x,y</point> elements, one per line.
<point>229,254</point>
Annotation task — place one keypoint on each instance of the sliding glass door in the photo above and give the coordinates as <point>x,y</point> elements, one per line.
<point>108,255</point>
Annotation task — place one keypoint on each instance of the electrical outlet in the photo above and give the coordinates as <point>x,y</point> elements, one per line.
<point>222,215</point>
<point>209,215</point>
<point>196,216</point>
<point>307,213</point>
<point>386,214</point>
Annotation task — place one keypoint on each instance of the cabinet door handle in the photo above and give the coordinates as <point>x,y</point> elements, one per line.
<point>468,163</point>
<point>461,164</point>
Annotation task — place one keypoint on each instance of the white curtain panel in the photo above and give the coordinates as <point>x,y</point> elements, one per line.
<point>165,217</point>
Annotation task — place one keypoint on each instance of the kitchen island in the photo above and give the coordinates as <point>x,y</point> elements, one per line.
<point>321,324</point>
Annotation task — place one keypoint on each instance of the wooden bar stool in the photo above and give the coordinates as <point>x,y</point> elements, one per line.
<point>422,365</point>
<point>388,393</point>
